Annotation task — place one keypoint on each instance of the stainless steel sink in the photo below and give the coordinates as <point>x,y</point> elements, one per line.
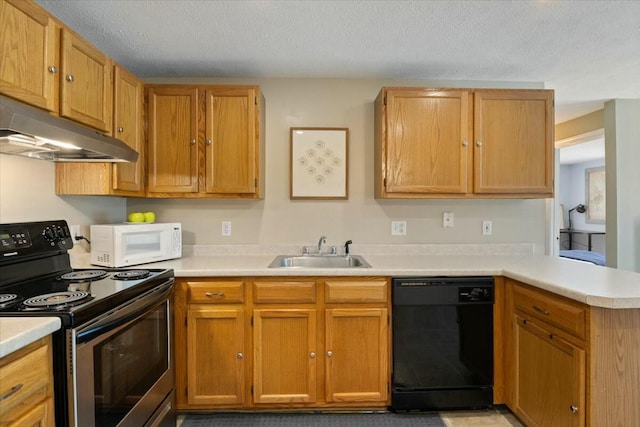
<point>319,261</point>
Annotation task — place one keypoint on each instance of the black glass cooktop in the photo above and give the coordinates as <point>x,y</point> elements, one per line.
<point>78,294</point>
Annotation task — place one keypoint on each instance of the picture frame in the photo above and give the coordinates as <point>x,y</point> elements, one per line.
<point>319,163</point>
<point>595,186</point>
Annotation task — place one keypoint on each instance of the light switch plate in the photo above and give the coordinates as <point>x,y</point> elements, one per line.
<point>226,228</point>
<point>487,227</point>
<point>447,219</point>
<point>398,228</point>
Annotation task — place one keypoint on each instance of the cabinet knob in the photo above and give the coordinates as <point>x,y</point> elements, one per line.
<point>329,353</point>
<point>312,355</point>
<point>214,294</point>
<point>239,356</point>
<point>11,392</point>
<point>192,142</point>
<point>53,69</point>
<point>573,408</point>
<point>478,143</point>
<point>465,143</point>
<point>209,141</point>
<point>120,129</point>
<point>70,78</point>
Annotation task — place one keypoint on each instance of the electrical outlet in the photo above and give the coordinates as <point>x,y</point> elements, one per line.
<point>398,228</point>
<point>74,230</point>
<point>226,228</point>
<point>487,227</point>
<point>447,219</point>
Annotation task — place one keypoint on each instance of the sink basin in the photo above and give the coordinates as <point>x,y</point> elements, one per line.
<point>319,261</point>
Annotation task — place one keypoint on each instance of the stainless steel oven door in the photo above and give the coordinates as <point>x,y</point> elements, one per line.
<point>121,365</point>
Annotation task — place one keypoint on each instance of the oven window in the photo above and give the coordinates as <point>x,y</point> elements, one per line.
<point>128,364</point>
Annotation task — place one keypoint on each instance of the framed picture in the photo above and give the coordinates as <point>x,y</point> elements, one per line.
<point>319,163</point>
<point>596,195</point>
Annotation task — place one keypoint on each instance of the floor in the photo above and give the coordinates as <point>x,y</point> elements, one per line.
<point>497,417</point>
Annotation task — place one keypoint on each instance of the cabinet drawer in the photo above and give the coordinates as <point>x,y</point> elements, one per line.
<point>284,292</point>
<point>364,291</point>
<point>216,292</point>
<point>559,313</point>
<point>24,382</point>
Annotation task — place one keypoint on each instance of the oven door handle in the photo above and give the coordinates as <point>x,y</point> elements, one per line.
<point>125,314</point>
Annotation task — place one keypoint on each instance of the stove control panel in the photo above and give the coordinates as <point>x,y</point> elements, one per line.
<point>33,238</point>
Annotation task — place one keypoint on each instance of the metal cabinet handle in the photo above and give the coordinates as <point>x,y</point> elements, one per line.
<point>329,353</point>
<point>53,69</point>
<point>478,143</point>
<point>11,392</point>
<point>541,310</point>
<point>573,408</point>
<point>465,143</point>
<point>192,142</point>
<point>214,294</point>
<point>312,355</point>
<point>209,141</point>
<point>239,355</point>
<point>120,129</point>
<point>70,78</point>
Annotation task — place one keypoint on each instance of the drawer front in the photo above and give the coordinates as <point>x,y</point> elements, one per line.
<point>365,291</point>
<point>25,381</point>
<point>284,292</point>
<point>559,313</point>
<point>216,292</point>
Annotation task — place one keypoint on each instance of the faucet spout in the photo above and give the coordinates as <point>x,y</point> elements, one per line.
<point>323,239</point>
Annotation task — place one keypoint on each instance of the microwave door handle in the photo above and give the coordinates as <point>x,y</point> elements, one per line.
<point>122,316</point>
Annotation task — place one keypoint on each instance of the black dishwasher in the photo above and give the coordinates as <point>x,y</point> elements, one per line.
<point>442,343</point>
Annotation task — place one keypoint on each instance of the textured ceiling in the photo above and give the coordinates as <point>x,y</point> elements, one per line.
<point>588,51</point>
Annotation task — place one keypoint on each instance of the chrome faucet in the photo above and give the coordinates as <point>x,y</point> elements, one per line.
<point>323,239</point>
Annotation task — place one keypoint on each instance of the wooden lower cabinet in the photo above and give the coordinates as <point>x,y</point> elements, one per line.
<point>550,379</point>
<point>356,368</point>
<point>277,343</point>
<point>26,386</point>
<point>285,355</point>
<point>215,356</point>
<point>567,363</point>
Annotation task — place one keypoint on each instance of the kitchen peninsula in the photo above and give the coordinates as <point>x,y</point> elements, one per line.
<point>589,321</point>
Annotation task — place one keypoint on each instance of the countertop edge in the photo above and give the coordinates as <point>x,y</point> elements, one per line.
<point>18,332</point>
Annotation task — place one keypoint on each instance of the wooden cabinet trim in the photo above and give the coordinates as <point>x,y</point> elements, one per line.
<point>301,292</point>
<point>367,291</point>
<point>215,292</point>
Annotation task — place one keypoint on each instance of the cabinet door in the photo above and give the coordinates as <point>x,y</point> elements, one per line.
<point>230,142</point>
<point>128,97</point>
<point>86,90</point>
<point>427,134</point>
<point>550,377</point>
<point>357,355</point>
<point>215,356</point>
<point>513,132</point>
<point>173,134</point>
<point>29,61</point>
<point>284,345</point>
<point>41,415</point>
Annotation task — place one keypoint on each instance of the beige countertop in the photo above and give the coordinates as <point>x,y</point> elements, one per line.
<point>17,332</point>
<point>593,285</point>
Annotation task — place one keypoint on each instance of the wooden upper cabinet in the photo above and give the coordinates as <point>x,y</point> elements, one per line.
<point>427,134</point>
<point>86,91</point>
<point>29,46</point>
<point>128,116</point>
<point>230,141</point>
<point>205,141</point>
<point>113,179</point>
<point>463,143</point>
<point>173,140</point>
<point>513,132</point>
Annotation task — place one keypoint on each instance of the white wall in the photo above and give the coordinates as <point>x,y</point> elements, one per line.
<point>622,136</point>
<point>573,192</point>
<point>277,219</point>
<point>27,193</point>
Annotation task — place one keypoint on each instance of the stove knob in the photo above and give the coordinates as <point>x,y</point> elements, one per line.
<point>48,234</point>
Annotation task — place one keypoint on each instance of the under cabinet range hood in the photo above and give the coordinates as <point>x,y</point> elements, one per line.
<point>31,132</point>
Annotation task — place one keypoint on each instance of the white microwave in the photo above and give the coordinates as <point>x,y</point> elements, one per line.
<point>121,245</point>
